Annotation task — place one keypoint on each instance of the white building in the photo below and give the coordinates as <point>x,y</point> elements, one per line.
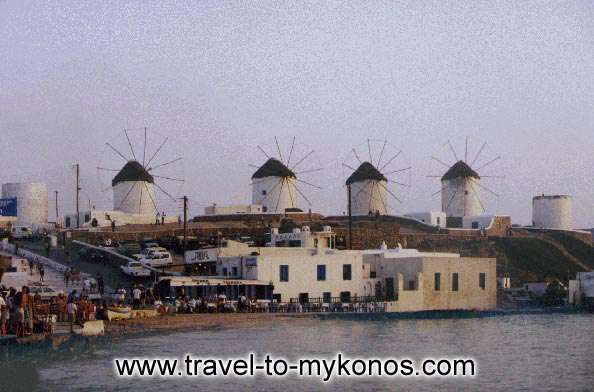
<point>368,191</point>
<point>460,191</point>
<point>32,202</point>
<point>406,279</point>
<point>552,212</point>
<point>97,218</point>
<point>581,290</point>
<point>431,218</point>
<point>480,222</point>
<point>273,187</point>
<point>234,209</point>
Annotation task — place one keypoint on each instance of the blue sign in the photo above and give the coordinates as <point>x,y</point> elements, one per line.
<point>8,207</point>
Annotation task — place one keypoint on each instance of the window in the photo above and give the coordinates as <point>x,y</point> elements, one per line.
<point>411,285</point>
<point>284,273</point>
<point>455,281</point>
<point>67,221</point>
<point>438,220</point>
<point>482,280</point>
<point>321,272</point>
<point>437,281</point>
<point>224,271</point>
<point>234,271</point>
<point>372,274</point>
<point>327,297</point>
<point>475,225</point>
<point>263,192</point>
<point>87,217</point>
<point>264,209</point>
<point>347,272</point>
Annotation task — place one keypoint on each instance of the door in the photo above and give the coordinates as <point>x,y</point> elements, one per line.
<point>390,295</point>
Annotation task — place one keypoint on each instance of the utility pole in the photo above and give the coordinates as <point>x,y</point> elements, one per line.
<point>77,195</point>
<point>185,221</point>
<point>57,212</point>
<point>350,218</point>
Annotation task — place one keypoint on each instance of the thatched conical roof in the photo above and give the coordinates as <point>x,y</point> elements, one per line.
<point>273,168</point>
<point>132,171</point>
<point>365,172</point>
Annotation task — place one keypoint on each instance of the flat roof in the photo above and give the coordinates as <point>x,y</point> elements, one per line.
<point>210,281</point>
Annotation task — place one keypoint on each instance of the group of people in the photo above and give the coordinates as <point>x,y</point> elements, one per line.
<point>217,304</point>
<point>19,311</point>
<point>35,265</point>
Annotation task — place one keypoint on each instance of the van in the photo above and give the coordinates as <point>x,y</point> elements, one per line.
<point>157,259</point>
<point>21,232</point>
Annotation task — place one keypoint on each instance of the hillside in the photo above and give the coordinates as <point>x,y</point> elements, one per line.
<point>527,258</point>
<point>533,260</point>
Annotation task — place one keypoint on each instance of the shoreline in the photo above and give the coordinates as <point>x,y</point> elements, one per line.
<point>203,321</point>
<point>176,323</point>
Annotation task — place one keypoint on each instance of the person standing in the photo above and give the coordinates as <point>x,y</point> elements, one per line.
<point>4,314</point>
<point>71,308</point>
<point>100,284</point>
<point>136,293</point>
<point>67,276</point>
<point>41,272</point>
<point>26,305</point>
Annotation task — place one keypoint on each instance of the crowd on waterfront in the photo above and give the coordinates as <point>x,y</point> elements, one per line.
<point>24,313</point>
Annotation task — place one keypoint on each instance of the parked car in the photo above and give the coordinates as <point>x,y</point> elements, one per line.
<point>135,269</point>
<point>147,251</point>
<point>45,292</point>
<point>157,259</point>
<point>129,248</point>
<point>21,232</point>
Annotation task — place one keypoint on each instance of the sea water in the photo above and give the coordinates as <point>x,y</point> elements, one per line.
<point>542,352</point>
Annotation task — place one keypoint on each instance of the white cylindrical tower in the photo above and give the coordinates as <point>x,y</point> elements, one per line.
<point>552,212</point>
<point>274,188</point>
<point>460,191</point>
<point>133,190</point>
<point>32,202</point>
<point>368,190</point>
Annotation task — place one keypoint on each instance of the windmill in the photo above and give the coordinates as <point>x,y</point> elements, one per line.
<point>136,183</point>
<point>375,182</point>
<point>461,184</point>
<point>275,184</point>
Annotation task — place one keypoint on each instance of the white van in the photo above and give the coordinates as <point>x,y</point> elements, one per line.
<point>21,232</point>
<point>157,259</point>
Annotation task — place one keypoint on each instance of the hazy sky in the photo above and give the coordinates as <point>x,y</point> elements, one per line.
<point>220,78</point>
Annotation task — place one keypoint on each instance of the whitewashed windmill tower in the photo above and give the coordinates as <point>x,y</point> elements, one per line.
<point>133,190</point>
<point>135,184</point>
<point>368,186</point>
<point>368,190</point>
<point>461,184</point>
<point>274,184</point>
<point>274,187</point>
<point>459,191</point>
